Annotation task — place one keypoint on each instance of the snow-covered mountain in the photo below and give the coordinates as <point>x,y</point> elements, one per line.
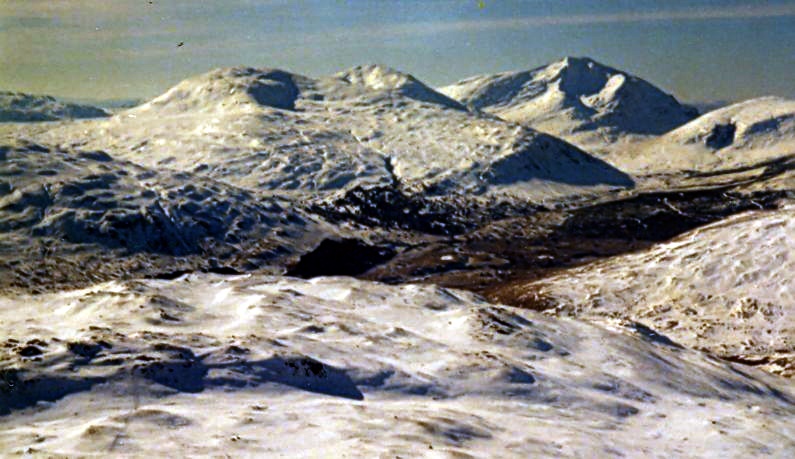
<point>269,129</point>
<point>379,78</point>
<point>739,135</point>
<point>726,287</point>
<point>77,216</point>
<point>139,317</point>
<point>17,107</point>
<point>260,366</point>
<point>577,99</point>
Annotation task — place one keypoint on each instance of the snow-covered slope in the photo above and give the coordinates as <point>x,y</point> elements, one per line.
<point>71,216</point>
<point>379,78</point>
<point>735,136</point>
<point>727,287</point>
<point>269,129</point>
<point>17,106</point>
<point>259,366</point>
<point>577,99</point>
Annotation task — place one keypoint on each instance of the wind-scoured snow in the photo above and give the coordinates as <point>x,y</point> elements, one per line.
<point>269,129</point>
<point>727,287</point>
<point>20,107</point>
<point>74,215</point>
<point>577,99</point>
<point>207,365</point>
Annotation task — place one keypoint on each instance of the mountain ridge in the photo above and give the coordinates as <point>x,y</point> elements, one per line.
<point>23,107</point>
<point>369,125</point>
<point>574,95</point>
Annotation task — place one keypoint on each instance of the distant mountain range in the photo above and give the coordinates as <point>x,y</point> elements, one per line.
<point>371,125</point>
<point>175,277</point>
<point>20,107</point>
<point>575,99</point>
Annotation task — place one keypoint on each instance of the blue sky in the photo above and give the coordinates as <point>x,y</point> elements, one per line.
<point>700,50</point>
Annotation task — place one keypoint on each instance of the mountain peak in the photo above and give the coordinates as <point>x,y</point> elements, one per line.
<point>575,61</point>
<point>574,95</point>
<point>232,87</point>
<point>381,78</point>
<point>377,76</point>
<point>579,76</point>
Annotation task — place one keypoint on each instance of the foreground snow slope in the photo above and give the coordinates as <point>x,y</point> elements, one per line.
<point>252,366</point>
<point>735,136</point>
<point>17,106</point>
<point>727,287</point>
<point>269,129</point>
<point>578,99</point>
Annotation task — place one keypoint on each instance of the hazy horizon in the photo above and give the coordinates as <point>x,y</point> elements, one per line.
<point>700,51</point>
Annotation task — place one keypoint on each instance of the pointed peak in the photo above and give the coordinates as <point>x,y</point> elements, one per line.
<point>579,65</point>
<point>374,68</point>
<point>578,92</point>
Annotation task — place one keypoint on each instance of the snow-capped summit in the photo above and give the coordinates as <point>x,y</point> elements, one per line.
<point>368,126</point>
<point>573,97</point>
<point>17,106</point>
<point>247,89</point>
<point>235,88</point>
<point>386,79</point>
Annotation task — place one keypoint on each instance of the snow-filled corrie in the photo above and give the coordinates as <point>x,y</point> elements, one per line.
<point>738,136</point>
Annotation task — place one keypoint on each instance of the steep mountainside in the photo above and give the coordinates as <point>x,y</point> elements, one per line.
<point>577,99</point>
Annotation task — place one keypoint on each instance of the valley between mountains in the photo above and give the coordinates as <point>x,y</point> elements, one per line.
<point>563,261</point>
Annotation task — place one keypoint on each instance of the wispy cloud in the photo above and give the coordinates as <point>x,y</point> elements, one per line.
<point>703,14</point>
<point>403,30</point>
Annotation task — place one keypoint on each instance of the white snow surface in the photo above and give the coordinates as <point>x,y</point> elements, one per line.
<point>88,197</point>
<point>21,107</point>
<point>254,366</point>
<point>727,287</point>
<point>736,136</point>
<point>269,129</point>
<point>577,99</point>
